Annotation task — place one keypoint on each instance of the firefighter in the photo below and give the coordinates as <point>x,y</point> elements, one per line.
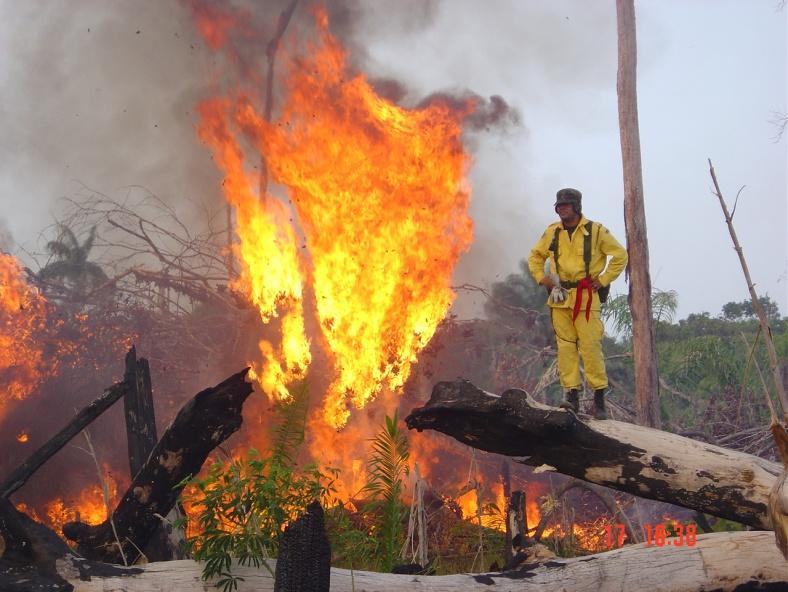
<point>578,278</point>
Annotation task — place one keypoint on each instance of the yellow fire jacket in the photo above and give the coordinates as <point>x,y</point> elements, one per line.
<point>571,265</point>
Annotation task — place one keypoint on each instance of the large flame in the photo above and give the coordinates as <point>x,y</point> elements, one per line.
<point>380,196</point>
<point>23,318</point>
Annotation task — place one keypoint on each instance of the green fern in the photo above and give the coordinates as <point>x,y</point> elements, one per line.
<point>386,467</point>
<point>290,431</point>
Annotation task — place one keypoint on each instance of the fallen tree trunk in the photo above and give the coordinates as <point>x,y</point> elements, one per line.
<point>721,561</point>
<point>642,461</point>
<point>201,425</point>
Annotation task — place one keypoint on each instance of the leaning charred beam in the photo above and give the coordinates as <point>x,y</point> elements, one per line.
<point>201,425</point>
<point>641,461</point>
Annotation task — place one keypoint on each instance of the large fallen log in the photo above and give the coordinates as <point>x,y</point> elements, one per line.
<point>201,425</point>
<point>720,561</point>
<point>642,461</point>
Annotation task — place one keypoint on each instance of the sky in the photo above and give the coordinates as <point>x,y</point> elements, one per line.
<point>101,94</point>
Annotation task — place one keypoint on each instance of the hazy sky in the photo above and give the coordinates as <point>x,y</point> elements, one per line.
<point>101,93</point>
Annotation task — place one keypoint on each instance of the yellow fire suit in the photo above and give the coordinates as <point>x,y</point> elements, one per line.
<point>579,337</point>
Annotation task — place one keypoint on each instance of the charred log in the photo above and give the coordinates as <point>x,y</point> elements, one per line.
<point>642,461</point>
<point>34,559</point>
<point>28,553</point>
<point>201,425</point>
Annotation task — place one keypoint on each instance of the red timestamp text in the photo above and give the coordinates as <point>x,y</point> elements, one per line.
<point>672,534</point>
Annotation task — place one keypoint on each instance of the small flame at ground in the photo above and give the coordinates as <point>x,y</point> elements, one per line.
<point>22,437</point>
<point>87,506</point>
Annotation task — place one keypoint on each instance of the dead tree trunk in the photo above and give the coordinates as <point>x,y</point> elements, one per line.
<point>139,412</point>
<point>643,351</point>
<point>141,435</point>
<point>724,562</point>
<point>201,425</point>
<point>639,460</point>
<point>516,522</point>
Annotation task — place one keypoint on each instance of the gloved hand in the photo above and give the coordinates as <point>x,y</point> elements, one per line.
<point>557,294</point>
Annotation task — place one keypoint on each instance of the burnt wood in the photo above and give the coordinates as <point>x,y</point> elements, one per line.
<point>141,437</point>
<point>139,412</point>
<point>639,460</point>
<point>202,424</point>
<point>28,553</point>
<point>304,560</point>
<point>516,522</point>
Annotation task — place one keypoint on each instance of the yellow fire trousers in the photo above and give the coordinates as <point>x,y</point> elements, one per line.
<point>577,339</point>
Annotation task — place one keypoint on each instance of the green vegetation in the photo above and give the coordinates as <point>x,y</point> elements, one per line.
<point>387,465</point>
<point>242,508</point>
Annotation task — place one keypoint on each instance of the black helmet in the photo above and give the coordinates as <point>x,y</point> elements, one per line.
<point>570,196</point>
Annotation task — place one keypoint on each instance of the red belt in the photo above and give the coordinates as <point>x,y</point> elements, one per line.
<point>585,283</point>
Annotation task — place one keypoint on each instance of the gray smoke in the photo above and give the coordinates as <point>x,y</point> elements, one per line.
<point>6,238</point>
<point>102,94</point>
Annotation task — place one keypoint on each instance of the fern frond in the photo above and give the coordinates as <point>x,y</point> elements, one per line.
<point>290,431</point>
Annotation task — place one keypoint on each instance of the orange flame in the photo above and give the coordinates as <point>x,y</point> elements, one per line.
<point>23,316</point>
<point>22,437</point>
<point>88,506</point>
<point>380,195</point>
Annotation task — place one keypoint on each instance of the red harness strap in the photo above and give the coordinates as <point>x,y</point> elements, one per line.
<point>583,284</point>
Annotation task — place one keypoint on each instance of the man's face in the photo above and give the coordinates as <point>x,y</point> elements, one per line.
<point>566,212</point>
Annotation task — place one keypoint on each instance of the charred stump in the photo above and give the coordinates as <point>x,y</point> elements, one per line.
<point>202,424</point>
<point>638,460</point>
<point>304,560</point>
<point>139,412</point>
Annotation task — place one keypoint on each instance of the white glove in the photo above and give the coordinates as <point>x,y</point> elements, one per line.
<point>557,294</point>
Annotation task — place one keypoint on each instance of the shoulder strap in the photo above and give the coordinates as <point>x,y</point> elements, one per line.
<point>554,247</point>
<point>587,246</point>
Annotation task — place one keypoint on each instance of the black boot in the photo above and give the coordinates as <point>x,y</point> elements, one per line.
<point>599,404</point>
<point>571,401</point>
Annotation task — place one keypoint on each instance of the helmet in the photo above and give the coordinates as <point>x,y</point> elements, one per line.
<point>570,196</point>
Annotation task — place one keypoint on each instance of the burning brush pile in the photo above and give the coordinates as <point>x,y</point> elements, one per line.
<point>346,215</point>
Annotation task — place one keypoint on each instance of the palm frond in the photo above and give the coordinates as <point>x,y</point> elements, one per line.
<point>67,237</point>
<point>57,270</point>
<point>386,467</point>
<point>289,432</point>
<point>88,244</point>
<point>664,305</point>
<point>59,250</point>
